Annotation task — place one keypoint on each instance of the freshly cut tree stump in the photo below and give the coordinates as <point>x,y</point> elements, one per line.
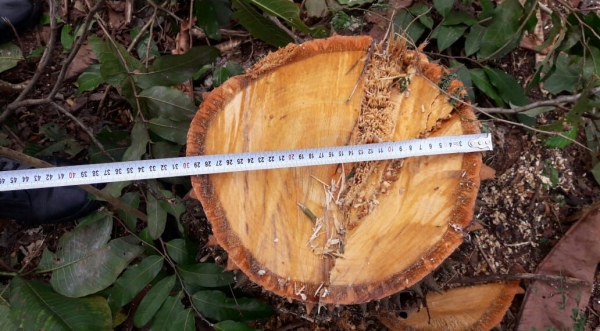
<point>340,234</point>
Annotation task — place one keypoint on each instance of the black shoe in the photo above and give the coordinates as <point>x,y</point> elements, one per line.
<point>22,14</point>
<point>45,205</point>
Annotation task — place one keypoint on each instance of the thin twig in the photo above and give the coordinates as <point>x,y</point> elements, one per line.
<point>37,163</point>
<point>565,99</point>
<point>284,28</point>
<point>519,276</point>
<point>487,259</point>
<point>85,128</point>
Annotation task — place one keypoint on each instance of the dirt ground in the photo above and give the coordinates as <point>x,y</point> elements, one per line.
<point>520,213</point>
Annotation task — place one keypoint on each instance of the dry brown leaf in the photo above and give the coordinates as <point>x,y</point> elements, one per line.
<point>182,40</point>
<point>476,308</point>
<point>85,57</point>
<point>487,172</point>
<point>577,254</point>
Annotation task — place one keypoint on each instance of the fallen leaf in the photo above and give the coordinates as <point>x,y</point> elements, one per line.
<point>84,58</point>
<point>551,304</point>
<point>487,172</point>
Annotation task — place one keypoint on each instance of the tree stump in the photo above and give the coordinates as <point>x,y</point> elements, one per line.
<point>349,233</point>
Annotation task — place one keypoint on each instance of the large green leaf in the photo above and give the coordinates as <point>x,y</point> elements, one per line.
<point>448,35</point>
<point>215,305</point>
<point>210,14</point>
<point>258,25</point>
<point>205,274</point>
<point>132,199</point>
<point>508,88</point>
<point>116,64</point>
<point>153,301</point>
<point>482,82</point>
<point>290,13</point>
<point>170,130</point>
<point>175,69</point>
<point>89,79</point>
<point>504,34</point>
<point>443,6</point>
<point>182,251</point>
<point>184,321</point>
<point>167,314</point>
<point>473,41</point>
<point>6,324</point>
<point>157,217</point>
<point>139,142</point>
<point>115,144</point>
<point>133,280</point>
<point>85,261</point>
<point>34,306</point>
<point>230,69</point>
<point>459,17</point>
<point>232,326</point>
<point>405,23</point>
<point>10,55</point>
<point>422,11</point>
<point>565,77</point>
<point>169,103</point>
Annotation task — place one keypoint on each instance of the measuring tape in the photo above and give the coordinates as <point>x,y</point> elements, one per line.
<point>212,164</point>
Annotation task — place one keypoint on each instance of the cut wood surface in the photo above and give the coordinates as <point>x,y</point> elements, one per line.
<point>378,227</point>
<point>475,308</point>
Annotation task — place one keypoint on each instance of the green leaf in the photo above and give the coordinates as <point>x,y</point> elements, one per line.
<point>503,34</point>
<point>10,55</point>
<point>182,251</point>
<point>560,142</point>
<point>596,173</point>
<point>205,274</point>
<point>175,69</point>
<point>210,14</point>
<point>528,117</point>
<point>232,326</point>
<point>134,279</point>
<point>153,301</point>
<point>565,77</point>
<point>487,9</point>
<point>170,130</point>
<point>459,17</point>
<point>215,305</point>
<point>115,144</point>
<point>465,77</point>
<point>473,41</point>
<point>157,217</point>
<point>85,261</point>
<point>66,37</point>
<point>6,323</point>
<point>116,63</point>
<point>223,73</point>
<point>146,47</point>
<point>132,199</point>
<point>171,204</point>
<point>508,88</point>
<point>404,23</point>
<point>169,102</point>
<point>290,13</point>
<point>184,321</point>
<point>258,25</point>
<point>89,79</point>
<point>448,35</point>
<point>421,11</point>
<point>165,150</point>
<point>169,311</point>
<point>139,141</point>
<point>34,306</point>
<point>482,82</point>
<point>443,6</point>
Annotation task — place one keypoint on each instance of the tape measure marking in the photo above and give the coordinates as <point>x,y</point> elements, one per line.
<point>212,164</point>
